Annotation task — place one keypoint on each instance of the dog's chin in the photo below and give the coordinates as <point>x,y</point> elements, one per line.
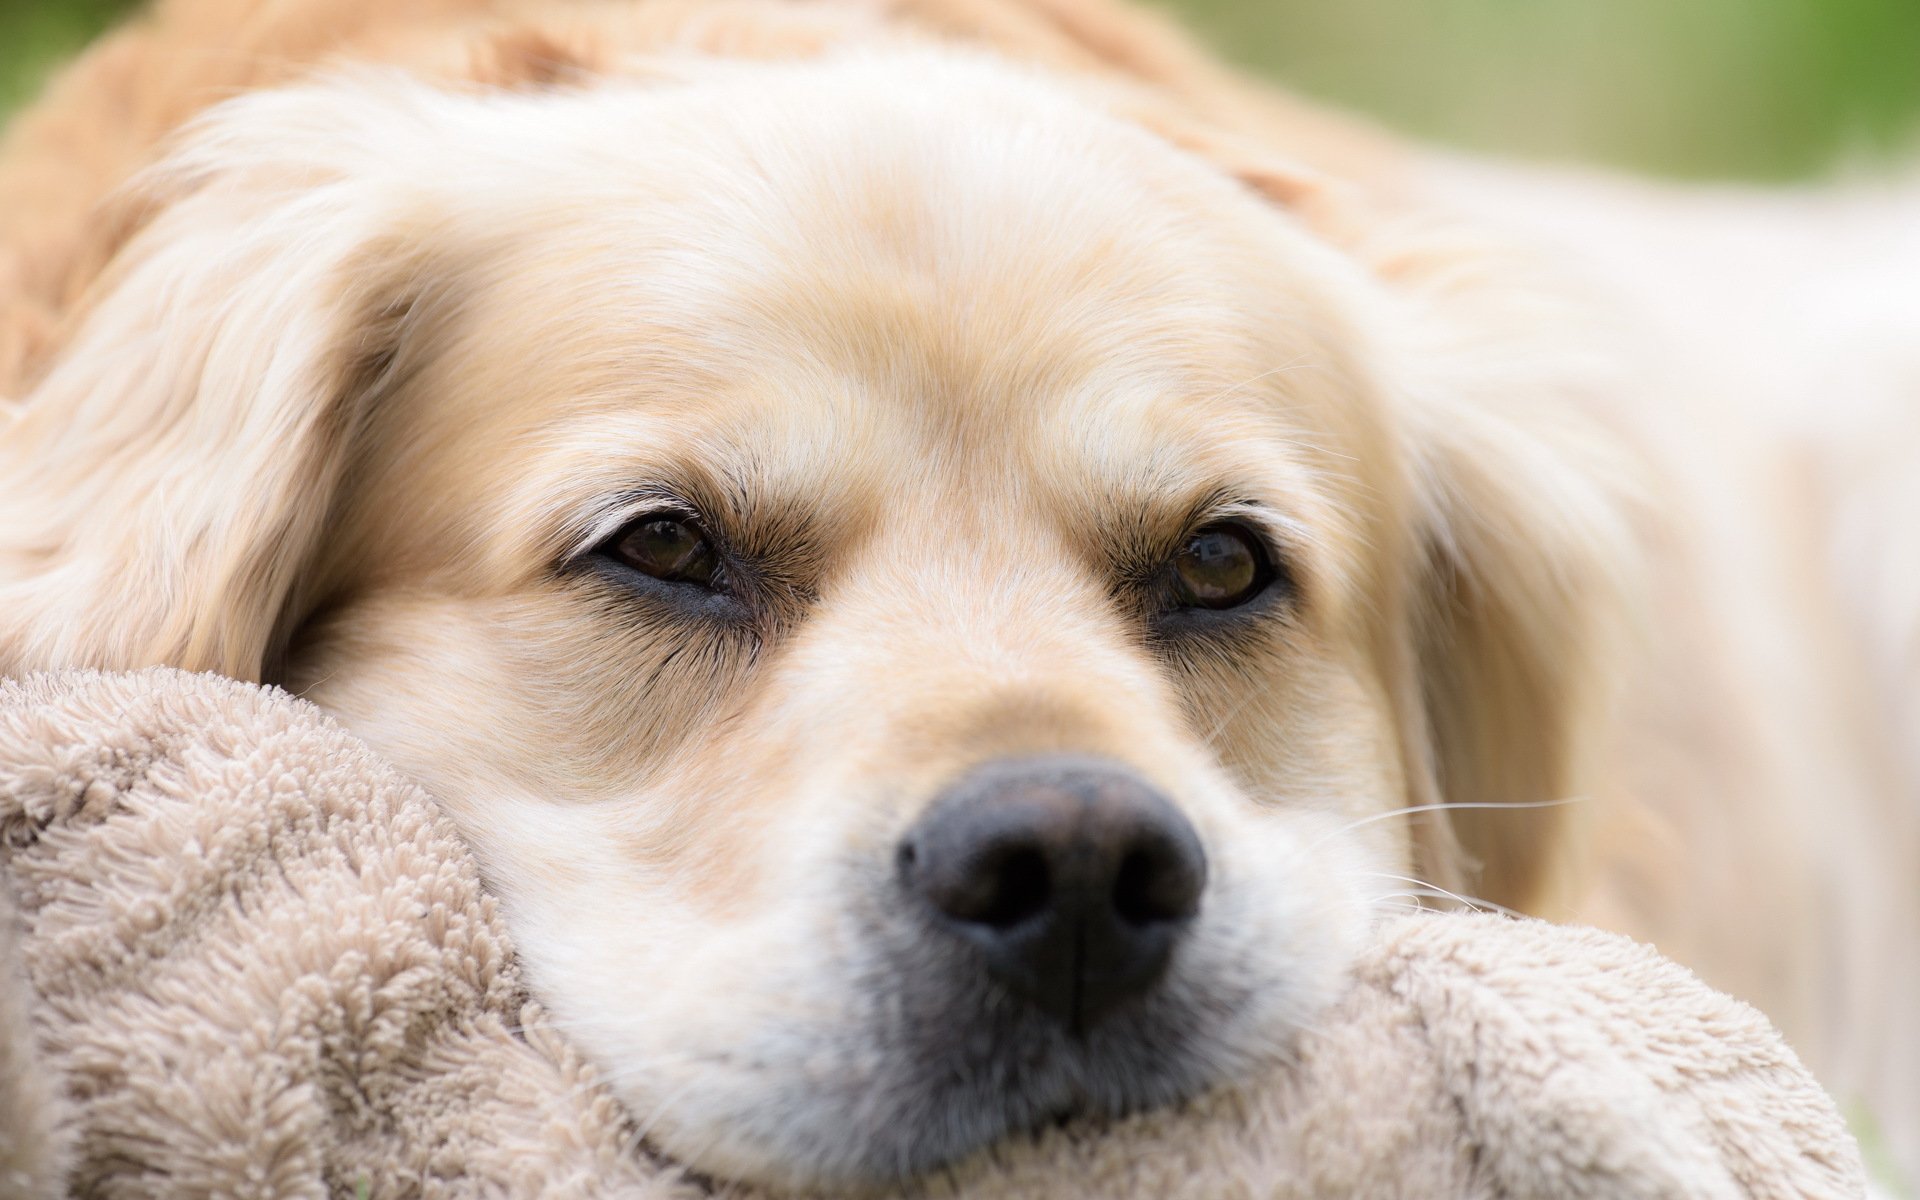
<point>927,1064</point>
<point>837,1039</point>
<point>958,1088</point>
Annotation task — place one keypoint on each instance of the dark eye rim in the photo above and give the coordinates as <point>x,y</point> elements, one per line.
<point>1275,586</point>
<point>717,582</point>
<point>720,598</point>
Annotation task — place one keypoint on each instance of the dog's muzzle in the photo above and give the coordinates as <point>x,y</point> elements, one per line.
<point>1068,880</point>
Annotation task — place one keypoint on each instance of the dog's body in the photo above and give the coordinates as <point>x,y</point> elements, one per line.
<point>947,354</point>
<point>1766,749</point>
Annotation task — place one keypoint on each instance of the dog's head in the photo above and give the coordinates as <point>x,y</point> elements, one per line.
<point>923,595</point>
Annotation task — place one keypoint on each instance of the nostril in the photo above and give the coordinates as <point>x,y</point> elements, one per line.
<point>1133,889</point>
<point>997,886</point>
<point>1022,887</point>
<point>1156,883</point>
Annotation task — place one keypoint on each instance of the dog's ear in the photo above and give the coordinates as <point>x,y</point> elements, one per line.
<point>1519,512</point>
<point>165,482</point>
<point>1524,562</point>
<point>1515,610</point>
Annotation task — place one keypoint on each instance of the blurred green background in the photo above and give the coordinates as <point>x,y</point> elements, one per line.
<point>1755,89</point>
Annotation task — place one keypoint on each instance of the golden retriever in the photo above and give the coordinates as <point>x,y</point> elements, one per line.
<point>949,555</point>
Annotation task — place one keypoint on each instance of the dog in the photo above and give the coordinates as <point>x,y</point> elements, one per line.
<point>949,556</point>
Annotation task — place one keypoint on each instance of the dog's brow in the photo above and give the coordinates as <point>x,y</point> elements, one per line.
<point>593,522</point>
<point>752,516</point>
<point>1148,527</point>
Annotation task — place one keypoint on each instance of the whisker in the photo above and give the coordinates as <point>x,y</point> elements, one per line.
<point>1442,806</point>
<point>1298,364</point>
<point>1220,726</point>
<point>1434,889</point>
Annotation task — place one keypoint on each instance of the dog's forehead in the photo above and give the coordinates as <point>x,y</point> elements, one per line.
<point>875,287</point>
<point>978,252</point>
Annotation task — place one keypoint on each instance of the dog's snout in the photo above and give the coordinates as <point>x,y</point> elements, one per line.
<point>1072,877</point>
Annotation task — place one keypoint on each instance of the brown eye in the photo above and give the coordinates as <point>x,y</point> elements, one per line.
<point>669,548</point>
<point>1221,566</point>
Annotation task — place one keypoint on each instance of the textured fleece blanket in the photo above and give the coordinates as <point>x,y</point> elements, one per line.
<point>246,958</point>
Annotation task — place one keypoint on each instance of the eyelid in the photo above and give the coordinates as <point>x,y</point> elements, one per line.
<point>1282,537</point>
<point>1288,542</point>
<point>603,522</point>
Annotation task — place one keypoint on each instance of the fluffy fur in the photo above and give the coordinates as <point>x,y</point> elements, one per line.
<point>953,317</point>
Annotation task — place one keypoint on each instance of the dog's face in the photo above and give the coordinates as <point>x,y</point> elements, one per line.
<point>921,595</point>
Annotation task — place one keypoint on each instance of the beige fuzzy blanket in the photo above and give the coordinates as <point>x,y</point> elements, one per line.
<point>247,959</point>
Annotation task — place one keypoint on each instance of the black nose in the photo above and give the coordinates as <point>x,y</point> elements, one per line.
<point>1072,876</point>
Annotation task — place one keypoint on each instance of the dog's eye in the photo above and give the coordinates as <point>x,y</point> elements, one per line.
<point>1221,566</point>
<point>669,548</point>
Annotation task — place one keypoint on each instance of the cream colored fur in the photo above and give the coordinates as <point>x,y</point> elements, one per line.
<point>330,384</point>
<point>268,967</point>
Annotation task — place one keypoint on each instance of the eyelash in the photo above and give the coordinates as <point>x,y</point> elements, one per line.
<point>1143,579</point>
<point>721,602</point>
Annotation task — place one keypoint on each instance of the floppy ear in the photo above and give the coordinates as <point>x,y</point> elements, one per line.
<point>166,481</point>
<point>1520,515</point>
<point>1518,604</point>
<point>1522,518</point>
